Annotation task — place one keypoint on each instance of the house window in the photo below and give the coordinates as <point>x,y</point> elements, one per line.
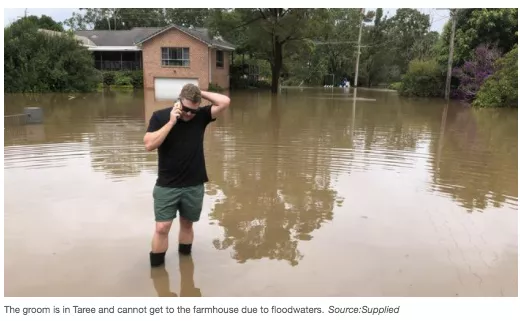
<point>175,57</point>
<point>220,59</point>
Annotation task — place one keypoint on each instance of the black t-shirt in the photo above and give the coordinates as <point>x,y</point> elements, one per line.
<point>181,154</point>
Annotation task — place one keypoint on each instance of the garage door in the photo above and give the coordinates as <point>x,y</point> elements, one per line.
<point>169,88</point>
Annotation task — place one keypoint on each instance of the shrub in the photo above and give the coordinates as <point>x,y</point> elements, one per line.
<point>395,86</point>
<point>214,87</point>
<point>123,78</point>
<point>473,73</point>
<point>501,88</point>
<point>423,79</point>
<point>137,79</point>
<point>109,78</point>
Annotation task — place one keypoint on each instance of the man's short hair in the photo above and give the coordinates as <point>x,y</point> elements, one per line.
<point>191,93</point>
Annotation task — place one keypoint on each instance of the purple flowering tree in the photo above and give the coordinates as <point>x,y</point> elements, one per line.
<point>473,73</point>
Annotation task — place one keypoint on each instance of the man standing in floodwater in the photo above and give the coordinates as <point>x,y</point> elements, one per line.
<point>178,134</point>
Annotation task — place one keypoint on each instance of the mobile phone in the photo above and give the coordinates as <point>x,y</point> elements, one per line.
<point>178,101</point>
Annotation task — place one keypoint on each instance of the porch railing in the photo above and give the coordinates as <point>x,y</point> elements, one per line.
<point>118,65</point>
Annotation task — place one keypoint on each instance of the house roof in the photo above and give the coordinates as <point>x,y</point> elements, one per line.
<point>84,40</point>
<point>202,34</point>
<point>136,36</point>
<point>116,37</point>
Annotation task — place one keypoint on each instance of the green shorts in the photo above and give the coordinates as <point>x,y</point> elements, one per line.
<point>187,200</point>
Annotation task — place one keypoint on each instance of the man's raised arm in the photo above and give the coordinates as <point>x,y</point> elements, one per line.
<point>220,102</point>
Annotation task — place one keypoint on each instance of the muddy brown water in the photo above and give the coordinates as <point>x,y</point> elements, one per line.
<point>311,194</point>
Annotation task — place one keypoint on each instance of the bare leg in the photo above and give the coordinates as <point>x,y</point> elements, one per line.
<point>185,235</point>
<point>159,243</point>
<point>160,237</point>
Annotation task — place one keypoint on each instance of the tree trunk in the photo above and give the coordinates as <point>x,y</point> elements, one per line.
<point>276,66</point>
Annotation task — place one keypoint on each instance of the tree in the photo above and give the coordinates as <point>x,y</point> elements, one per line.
<point>267,32</point>
<point>36,61</point>
<point>476,27</point>
<point>44,22</point>
<point>404,30</point>
<point>76,22</point>
<point>128,18</point>
<point>423,48</point>
<point>340,40</point>
<point>391,43</point>
<point>186,17</point>
<point>375,59</point>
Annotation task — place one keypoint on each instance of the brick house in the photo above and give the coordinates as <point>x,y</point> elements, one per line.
<point>169,56</point>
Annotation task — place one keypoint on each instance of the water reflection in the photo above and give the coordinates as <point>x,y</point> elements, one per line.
<point>152,104</point>
<point>108,127</point>
<point>476,157</point>
<point>116,149</point>
<point>161,279</point>
<point>276,193</point>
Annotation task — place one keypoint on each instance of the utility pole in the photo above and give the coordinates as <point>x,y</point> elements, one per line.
<point>115,22</point>
<point>359,46</point>
<point>453,14</point>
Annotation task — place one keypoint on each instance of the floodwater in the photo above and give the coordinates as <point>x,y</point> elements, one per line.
<point>311,193</point>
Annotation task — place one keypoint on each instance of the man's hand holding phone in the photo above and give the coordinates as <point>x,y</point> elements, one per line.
<point>175,113</point>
